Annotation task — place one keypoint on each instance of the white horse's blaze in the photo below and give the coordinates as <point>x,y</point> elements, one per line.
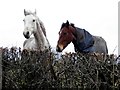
<point>33,26</point>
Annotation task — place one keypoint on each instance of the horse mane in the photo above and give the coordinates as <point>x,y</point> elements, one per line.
<point>42,26</point>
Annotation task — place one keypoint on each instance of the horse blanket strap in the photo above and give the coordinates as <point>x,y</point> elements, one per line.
<point>84,45</point>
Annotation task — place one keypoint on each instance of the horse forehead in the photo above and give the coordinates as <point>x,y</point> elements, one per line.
<point>29,18</point>
<point>65,29</point>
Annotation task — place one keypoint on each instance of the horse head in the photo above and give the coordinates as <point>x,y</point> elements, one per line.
<point>30,25</point>
<point>66,36</point>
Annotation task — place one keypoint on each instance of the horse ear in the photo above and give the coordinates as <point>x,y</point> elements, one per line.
<point>67,23</point>
<point>35,12</point>
<point>72,25</point>
<point>63,24</point>
<point>25,12</point>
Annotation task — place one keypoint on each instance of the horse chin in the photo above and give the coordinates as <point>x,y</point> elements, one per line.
<point>58,49</point>
<point>27,36</point>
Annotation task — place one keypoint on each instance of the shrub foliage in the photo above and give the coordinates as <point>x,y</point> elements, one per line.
<point>42,70</point>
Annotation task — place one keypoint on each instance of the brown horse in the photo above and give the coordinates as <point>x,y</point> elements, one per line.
<point>83,41</point>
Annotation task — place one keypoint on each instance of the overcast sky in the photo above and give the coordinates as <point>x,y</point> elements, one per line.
<point>99,17</point>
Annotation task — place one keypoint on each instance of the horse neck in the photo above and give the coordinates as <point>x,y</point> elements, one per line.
<point>78,33</point>
<point>79,36</point>
<point>40,37</point>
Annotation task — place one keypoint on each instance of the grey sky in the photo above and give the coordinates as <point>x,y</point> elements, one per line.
<point>99,17</point>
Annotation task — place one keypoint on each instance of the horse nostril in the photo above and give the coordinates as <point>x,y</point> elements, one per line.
<point>27,33</point>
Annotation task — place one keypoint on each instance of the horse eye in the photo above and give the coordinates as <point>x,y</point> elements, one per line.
<point>23,20</point>
<point>59,33</point>
<point>65,33</point>
<point>33,20</point>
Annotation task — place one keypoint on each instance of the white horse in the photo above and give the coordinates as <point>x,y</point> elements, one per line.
<point>34,26</point>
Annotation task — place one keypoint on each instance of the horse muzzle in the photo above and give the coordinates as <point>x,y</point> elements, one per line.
<point>26,35</point>
<point>59,48</point>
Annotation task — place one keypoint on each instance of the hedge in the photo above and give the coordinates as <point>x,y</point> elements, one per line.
<point>37,70</point>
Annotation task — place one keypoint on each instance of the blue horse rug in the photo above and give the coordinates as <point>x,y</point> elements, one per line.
<point>84,44</point>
